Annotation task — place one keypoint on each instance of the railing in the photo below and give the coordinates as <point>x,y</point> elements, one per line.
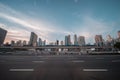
<point>56,47</point>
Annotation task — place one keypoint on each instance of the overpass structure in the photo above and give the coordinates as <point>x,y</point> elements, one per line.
<point>57,48</point>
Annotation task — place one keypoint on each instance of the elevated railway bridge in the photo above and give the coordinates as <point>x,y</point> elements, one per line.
<point>57,48</point>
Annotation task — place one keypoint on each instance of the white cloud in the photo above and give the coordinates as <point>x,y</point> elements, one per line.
<point>91,27</point>
<point>88,28</point>
<point>15,34</point>
<point>2,25</point>
<point>30,24</point>
<point>42,28</point>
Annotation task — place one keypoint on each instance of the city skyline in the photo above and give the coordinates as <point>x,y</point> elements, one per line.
<point>51,20</point>
<point>34,40</point>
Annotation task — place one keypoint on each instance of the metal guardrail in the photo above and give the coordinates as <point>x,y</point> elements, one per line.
<point>56,47</point>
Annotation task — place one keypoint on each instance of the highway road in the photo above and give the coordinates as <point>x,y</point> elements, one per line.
<point>60,67</point>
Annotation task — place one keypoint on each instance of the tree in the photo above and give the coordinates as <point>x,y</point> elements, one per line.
<point>117,45</point>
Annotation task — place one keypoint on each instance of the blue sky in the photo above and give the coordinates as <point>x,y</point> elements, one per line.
<point>53,19</point>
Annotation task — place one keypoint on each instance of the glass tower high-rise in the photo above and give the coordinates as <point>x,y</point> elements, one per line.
<point>75,40</point>
<point>33,39</point>
<point>40,42</point>
<point>2,35</point>
<point>67,40</point>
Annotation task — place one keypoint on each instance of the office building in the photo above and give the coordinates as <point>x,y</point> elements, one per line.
<point>12,43</point>
<point>75,40</point>
<point>67,40</point>
<point>40,42</point>
<point>109,41</point>
<point>44,43</point>
<point>57,42</point>
<point>2,35</point>
<point>33,39</point>
<point>98,40</point>
<point>19,43</point>
<point>61,42</point>
<point>24,43</point>
<point>81,40</point>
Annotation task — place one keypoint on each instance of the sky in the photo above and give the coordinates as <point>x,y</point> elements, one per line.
<point>51,20</point>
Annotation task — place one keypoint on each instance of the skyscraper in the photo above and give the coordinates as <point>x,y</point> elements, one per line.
<point>2,35</point>
<point>67,40</point>
<point>33,39</point>
<point>81,40</point>
<point>44,42</point>
<point>109,41</point>
<point>99,40</point>
<point>75,40</point>
<point>40,42</point>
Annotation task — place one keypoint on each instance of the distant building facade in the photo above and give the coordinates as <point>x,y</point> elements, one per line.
<point>44,43</point>
<point>19,43</point>
<point>33,39</point>
<point>57,42</point>
<point>2,35</point>
<point>75,40</point>
<point>110,41</point>
<point>24,43</point>
<point>67,40</point>
<point>61,43</point>
<point>81,40</point>
<point>40,42</point>
<point>12,43</point>
<point>98,40</point>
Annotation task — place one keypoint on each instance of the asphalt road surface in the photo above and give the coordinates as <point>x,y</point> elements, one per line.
<point>60,67</point>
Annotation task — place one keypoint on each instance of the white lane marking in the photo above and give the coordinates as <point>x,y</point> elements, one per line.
<point>38,61</point>
<point>78,61</point>
<point>21,69</point>
<point>99,58</point>
<point>115,60</point>
<point>90,70</point>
